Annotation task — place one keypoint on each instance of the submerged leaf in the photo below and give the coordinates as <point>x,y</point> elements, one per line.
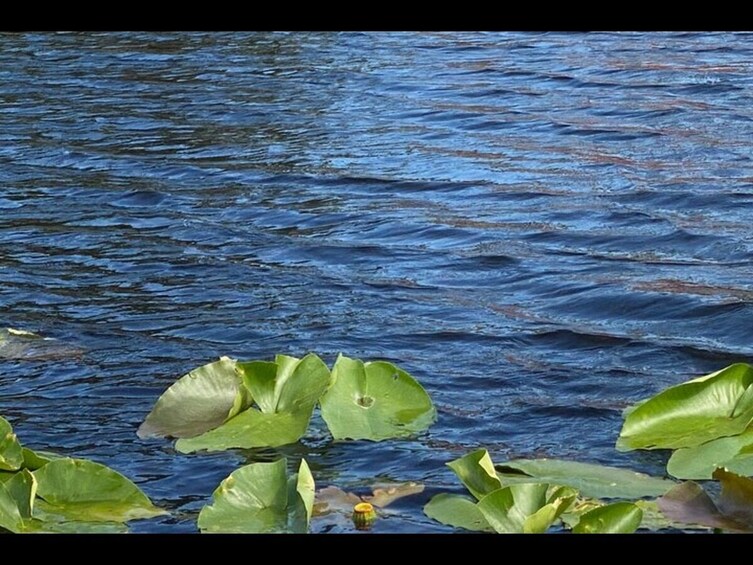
<point>334,499</point>
<point>11,455</point>
<point>591,480</point>
<point>197,402</point>
<point>77,489</point>
<point>375,401</point>
<point>476,472</point>
<point>384,495</point>
<point>21,345</point>
<point>617,518</point>
<point>736,497</point>
<point>692,413</point>
<point>688,503</point>
<point>458,512</point>
<point>259,498</point>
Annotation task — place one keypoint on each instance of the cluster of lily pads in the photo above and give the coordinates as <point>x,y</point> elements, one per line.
<point>44,492</point>
<point>233,404</point>
<point>245,404</point>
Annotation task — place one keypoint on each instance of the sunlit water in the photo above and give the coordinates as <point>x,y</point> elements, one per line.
<point>541,228</point>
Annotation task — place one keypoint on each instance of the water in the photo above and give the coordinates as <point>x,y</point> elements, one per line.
<point>542,228</point>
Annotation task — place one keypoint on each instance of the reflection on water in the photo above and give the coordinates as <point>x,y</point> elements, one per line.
<point>542,228</point>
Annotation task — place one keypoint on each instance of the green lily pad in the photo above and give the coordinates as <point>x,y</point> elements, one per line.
<point>458,512</point>
<point>476,471</point>
<point>286,391</point>
<point>82,490</point>
<point>33,460</point>
<point>23,488</point>
<point>700,462</point>
<point>260,498</point>
<point>375,401</point>
<point>591,480</point>
<point>525,507</point>
<point>11,456</point>
<point>10,515</point>
<point>616,518</point>
<point>692,413</point>
<point>199,401</point>
<point>248,429</point>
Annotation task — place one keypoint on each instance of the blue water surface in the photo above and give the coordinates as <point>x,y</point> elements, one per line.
<point>541,228</point>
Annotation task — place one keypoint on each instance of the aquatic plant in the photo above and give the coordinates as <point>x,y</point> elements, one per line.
<point>232,404</point>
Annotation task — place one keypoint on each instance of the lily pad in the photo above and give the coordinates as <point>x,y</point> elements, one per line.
<point>197,402</point>
<point>458,512</point>
<point>11,455</point>
<point>260,498</point>
<point>286,391</point>
<point>732,453</point>
<point>476,471</point>
<point>81,490</point>
<point>616,518</point>
<point>33,460</point>
<point>375,401</point>
<point>692,413</point>
<point>591,480</point>
<point>526,507</point>
<point>23,488</point>
<point>10,515</point>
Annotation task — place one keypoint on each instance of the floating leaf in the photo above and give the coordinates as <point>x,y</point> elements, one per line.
<point>10,515</point>
<point>375,401</point>
<point>525,507</point>
<point>23,489</point>
<point>591,480</point>
<point>458,512</point>
<point>692,413</point>
<point>617,518</point>
<point>248,429</point>
<point>33,460</point>
<point>286,391</point>
<point>199,401</point>
<point>476,471</point>
<point>11,456</point>
<point>260,498</point>
<point>700,462</point>
<point>77,489</point>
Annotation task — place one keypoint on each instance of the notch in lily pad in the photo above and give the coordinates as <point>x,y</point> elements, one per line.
<point>285,392</point>
<point>261,498</point>
<point>375,400</point>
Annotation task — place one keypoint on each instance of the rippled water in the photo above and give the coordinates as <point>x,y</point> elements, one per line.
<point>541,228</point>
